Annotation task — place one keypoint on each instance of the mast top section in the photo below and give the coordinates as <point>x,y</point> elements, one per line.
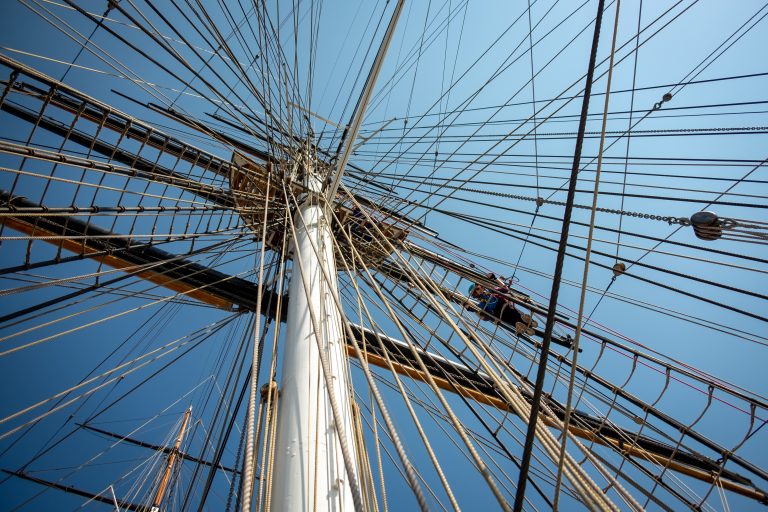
<point>254,186</point>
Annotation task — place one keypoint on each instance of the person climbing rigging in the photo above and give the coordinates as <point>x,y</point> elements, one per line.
<point>494,305</point>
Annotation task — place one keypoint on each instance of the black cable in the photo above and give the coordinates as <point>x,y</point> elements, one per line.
<point>603,228</point>
<point>463,187</point>
<point>542,371</point>
<point>226,428</point>
<point>611,115</point>
<point>509,231</point>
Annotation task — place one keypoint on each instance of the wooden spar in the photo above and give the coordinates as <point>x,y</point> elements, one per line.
<point>362,104</point>
<point>179,275</point>
<point>169,465</point>
<point>115,261</point>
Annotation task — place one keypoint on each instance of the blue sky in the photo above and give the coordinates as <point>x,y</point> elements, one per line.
<point>345,39</point>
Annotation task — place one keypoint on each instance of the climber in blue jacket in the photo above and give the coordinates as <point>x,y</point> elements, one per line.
<point>494,306</point>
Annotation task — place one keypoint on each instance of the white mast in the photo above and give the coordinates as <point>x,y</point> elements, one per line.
<point>309,470</point>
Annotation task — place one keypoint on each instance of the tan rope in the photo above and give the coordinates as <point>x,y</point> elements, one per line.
<point>589,491</point>
<point>271,457</point>
<point>265,479</point>
<point>575,349</point>
<point>372,410</point>
<point>248,463</point>
<point>97,186</point>
<point>457,423</point>
<point>169,348</point>
<point>89,324</point>
<point>420,322</point>
<point>409,406</point>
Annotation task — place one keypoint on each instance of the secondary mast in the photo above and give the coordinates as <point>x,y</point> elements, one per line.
<point>160,494</point>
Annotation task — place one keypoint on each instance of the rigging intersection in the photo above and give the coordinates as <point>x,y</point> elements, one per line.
<point>277,280</point>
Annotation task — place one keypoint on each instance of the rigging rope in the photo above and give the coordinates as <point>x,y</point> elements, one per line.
<point>249,464</point>
<point>584,280</point>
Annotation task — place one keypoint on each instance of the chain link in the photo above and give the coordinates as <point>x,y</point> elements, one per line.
<point>682,221</point>
<point>725,223</point>
<point>672,130</point>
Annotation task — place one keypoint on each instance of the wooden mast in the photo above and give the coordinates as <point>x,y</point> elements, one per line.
<point>169,464</point>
